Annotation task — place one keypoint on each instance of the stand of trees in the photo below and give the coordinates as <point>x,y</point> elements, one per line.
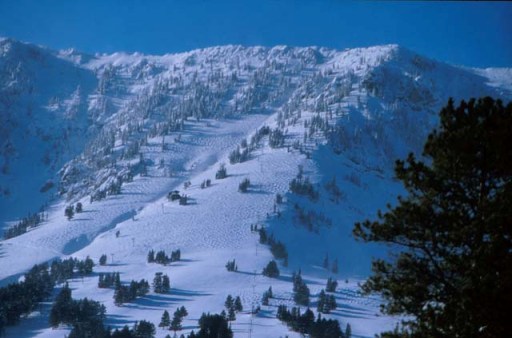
<point>453,275</point>
<point>212,326</point>
<point>31,221</point>
<point>162,258</point>
<point>300,289</point>
<point>271,270</point>
<point>127,293</point>
<point>305,323</point>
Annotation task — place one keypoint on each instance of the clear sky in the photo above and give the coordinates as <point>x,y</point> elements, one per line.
<point>467,33</point>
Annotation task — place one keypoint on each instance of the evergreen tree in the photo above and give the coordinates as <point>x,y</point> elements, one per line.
<point>182,311</point>
<point>166,284</point>
<point>144,329</point>
<point>151,256</point>
<point>157,283</point>
<point>237,306</point>
<point>453,277</point>
<point>69,212</point>
<point>222,172</point>
<point>231,314</point>
<point>176,321</point>
<point>61,309</point>
<point>213,326</point>
<point>79,208</point>
<point>103,260</point>
<point>331,286</point>
<point>229,302</point>
<point>244,185</point>
<point>271,270</point>
<point>348,331</point>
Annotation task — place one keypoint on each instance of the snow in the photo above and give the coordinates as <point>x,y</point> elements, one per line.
<point>385,99</point>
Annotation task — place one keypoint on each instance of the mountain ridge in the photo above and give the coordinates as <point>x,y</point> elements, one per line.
<point>147,125</point>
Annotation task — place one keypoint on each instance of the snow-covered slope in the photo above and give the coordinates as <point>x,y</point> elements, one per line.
<point>118,132</point>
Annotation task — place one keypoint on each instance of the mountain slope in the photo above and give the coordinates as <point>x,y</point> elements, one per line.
<point>141,126</point>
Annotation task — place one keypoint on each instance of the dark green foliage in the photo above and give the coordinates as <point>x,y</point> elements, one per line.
<point>182,311</point>
<point>332,284</point>
<point>79,208</point>
<point>61,309</point>
<point>166,320</point>
<point>243,143</point>
<point>21,298</point>
<point>206,183</point>
<point>103,260</point>
<point>326,302</point>
<point>177,319</point>
<point>244,185</point>
<point>60,271</point>
<point>311,219</point>
<point>231,314</point>
<point>348,331</point>
<point>166,284</point>
<point>161,283</point>
<point>213,326</point>
<point>265,298</point>
<point>176,255</point>
<point>237,306</point>
<point>231,266</point>
<point>271,270</point>
<point>221,173</point>
<point>125,332</point>
<point>300,289</point>
<point>162,258</point>
<point>107,279</point>
<point>276,138</point>
<point>263,235</point>
<point>183,200</point>
<point>453,276</point>
<point>229,302</point>
<point>305,323</point>
<point>86,316</point>
<point>302,186</point>
<point>176,322</point>
<point>278,249</point>
<point>238,156</point>
<point>85,267</point>
<point>128,293</point>
<point>69,212</point>
<point>31,221</point>
<point>144,329</point>
<point>233,305</point>
<point>151,256</point>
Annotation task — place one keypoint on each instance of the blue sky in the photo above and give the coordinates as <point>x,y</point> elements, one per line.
<point>468,33</point>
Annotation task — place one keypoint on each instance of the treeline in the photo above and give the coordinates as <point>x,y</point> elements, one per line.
<point>277,248</point>
<point>21,298</point>
<point>161,257</point>
<point>128,293</point>
<point>31,221</point>
<point>306,324</point>
<point>87,319</point>
<point>301,291</point>
<point>242,152</point>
